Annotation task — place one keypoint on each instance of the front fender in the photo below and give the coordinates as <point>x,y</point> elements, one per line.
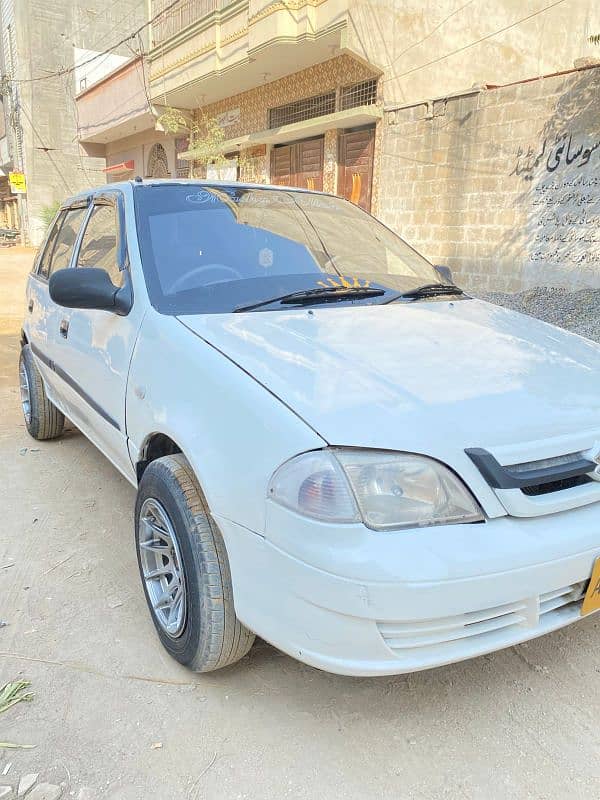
<point>232,430</point>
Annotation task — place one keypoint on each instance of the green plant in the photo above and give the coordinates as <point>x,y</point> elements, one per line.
<point>595,39</point>
<point>13,693</point>
<point>206,137</point>
<point>48,213</point>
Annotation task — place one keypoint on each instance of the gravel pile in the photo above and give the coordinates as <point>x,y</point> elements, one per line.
<point>576,311</point>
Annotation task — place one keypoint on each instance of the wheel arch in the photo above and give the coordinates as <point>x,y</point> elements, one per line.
<point>156,445</point>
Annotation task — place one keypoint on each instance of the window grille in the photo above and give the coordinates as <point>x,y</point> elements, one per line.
<point>158,164</point>
<point>359,94</point>
<point>178,17</point>
<point>302,109</point>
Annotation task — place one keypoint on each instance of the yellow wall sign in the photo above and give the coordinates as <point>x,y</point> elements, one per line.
<point>18,184</point>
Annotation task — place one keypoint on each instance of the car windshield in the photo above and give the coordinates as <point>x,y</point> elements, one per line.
<point>212,249</point>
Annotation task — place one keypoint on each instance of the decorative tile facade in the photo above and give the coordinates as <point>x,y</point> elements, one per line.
<point>330,161</point>
<point>250,112</point>
<point>255,103</point>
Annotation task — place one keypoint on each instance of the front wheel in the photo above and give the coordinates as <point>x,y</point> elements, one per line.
<point>185,570</point>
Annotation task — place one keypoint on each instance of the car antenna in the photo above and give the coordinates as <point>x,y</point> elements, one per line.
<point>138,179</point>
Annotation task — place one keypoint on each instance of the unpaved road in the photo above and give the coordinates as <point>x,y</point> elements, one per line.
<point>522,723</point>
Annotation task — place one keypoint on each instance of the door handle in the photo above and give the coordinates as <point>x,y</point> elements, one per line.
<point>30,306</point>
<point>64,328</point>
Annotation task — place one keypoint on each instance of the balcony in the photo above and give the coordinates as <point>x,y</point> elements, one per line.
<point>206,50</point>
<point>180,17</point>
<point>116,106</point>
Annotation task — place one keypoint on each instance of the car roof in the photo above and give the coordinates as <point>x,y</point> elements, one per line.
<point>109,187</point>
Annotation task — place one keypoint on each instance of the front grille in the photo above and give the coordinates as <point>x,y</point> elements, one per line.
<point>555,486</point>
<point>487,628</point>
<point>563,598</point>
<point>400,636</point>
<point>542,463</point>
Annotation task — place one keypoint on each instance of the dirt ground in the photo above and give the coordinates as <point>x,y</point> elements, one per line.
<point>521,723</point>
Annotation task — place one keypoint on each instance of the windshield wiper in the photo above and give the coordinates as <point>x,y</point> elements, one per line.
<point>327,294</point>
<point>427,290</point>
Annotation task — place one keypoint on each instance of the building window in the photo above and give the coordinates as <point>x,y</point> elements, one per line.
<point>302,109</point>
<point>359,94</point>
<point>158,165</point>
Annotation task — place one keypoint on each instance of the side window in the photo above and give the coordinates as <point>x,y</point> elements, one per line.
<point>99,243</point>
<point>43,268</point>
<point>65,241</point>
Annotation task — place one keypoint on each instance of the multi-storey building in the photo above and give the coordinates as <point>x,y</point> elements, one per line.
<point>49,52</point>
<point>418,111</point>
<point>300,85</point>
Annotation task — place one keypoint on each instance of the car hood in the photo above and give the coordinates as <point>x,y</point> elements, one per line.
<point>424,376</point>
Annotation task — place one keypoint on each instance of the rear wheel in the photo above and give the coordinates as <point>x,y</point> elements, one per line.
<point>185,570</point>
<point>42,418</point>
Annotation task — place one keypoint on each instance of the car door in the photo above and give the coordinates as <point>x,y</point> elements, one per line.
<point>42,314</point>
<point>95,347</point>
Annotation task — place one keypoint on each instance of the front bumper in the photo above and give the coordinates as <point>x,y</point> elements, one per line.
<point>350,626</point>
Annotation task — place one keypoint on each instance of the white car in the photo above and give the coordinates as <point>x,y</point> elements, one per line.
<point>333,446</point>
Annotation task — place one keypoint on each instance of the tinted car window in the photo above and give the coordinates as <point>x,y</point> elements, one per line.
<point>65,241</point>
<point>43,267</point>
<point>99,243</point>
<point>207,249</point>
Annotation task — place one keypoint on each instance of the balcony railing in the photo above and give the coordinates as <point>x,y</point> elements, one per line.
<point>183,14</point>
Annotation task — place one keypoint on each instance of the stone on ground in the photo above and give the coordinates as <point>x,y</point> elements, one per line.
<point>26,783</point>
<point>577,311</point>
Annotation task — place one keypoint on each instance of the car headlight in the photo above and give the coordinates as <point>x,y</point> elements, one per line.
<point>385,490</point>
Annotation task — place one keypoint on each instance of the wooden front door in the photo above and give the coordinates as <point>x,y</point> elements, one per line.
<point>355,170</point>
<point>299,164</point>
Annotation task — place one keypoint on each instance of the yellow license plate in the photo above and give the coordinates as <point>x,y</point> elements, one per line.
<point>591,601</point>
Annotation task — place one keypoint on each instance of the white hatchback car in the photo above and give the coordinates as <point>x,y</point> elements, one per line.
<point>333,446</point>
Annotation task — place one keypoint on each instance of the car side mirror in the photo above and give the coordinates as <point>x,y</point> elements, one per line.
<point>87,287</point>
<point>445,273</point>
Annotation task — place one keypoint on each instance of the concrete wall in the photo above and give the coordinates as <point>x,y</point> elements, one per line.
<point>503,184</point>
<point>46,35</point>
<point>113,103</point>
<point>137,148</point>
<point>431,48</point>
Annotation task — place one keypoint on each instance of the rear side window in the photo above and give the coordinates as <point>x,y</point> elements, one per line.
<point>65,241</point>
<point>99,244</point>
<point>45,258</point>
<point>59,246</point>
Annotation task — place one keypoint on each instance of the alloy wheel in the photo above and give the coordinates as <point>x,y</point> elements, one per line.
<point>162,567</point>
<point>25,391</point>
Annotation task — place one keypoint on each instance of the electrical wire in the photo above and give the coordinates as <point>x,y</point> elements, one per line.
<point>68,70</point>
<point>472,44</point>
<point>70,36</point>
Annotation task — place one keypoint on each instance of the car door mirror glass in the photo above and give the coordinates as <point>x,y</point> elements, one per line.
<point>88,287</point>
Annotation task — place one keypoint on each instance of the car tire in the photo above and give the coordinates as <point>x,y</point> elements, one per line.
<point>196,623</point>
<point>42,418</point>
